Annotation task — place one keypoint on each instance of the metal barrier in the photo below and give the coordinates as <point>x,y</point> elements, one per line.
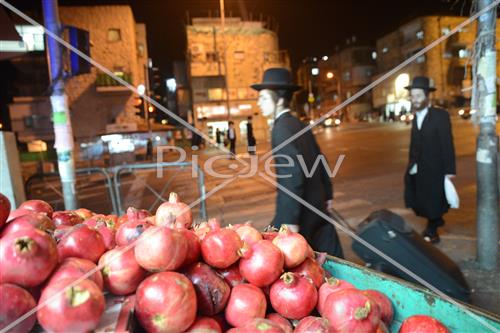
<point>121,170</point>
<point>49,189</point>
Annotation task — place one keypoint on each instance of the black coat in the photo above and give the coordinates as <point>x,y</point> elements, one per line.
<point>431,148</point>
<point>315,189</point>
<point>250,137</point>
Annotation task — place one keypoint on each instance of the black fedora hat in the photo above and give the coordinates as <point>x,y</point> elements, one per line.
<point>421,82</point>
<point>276,79</point>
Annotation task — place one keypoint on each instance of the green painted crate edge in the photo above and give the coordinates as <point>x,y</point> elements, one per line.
<point>409,299</point>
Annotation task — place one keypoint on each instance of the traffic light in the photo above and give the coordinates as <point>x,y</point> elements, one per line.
<point>139,104</point>
<point>157,92</point>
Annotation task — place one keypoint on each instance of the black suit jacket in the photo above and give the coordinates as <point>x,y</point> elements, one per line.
<point>432,149</point>
<point>316,189</point>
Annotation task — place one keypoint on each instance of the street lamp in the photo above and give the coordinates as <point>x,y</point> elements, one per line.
<point>329,75</point>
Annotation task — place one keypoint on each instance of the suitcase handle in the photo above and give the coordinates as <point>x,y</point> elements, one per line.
<point>340,219</point>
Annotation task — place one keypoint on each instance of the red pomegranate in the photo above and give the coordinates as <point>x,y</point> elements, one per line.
<point>27,256</point>
<point>293,245</point>
<point>78,309</point>
<point>248,234</point>
<point>166,302</point>
<point>386,309</point>
<point>161,249</point>
<point>105,227</point>
<point>19,212</point>
<point>202,229</point>
<point>312,269</point>
<point>262,264</point>
<point>14,303</point>
<point>282,321</point>
<point>31,220</point>
<point>38,206</point>
<point>121,272</point>
<point>293,289</point>
<point>66,217</point>
<point>74,268</point>
<point>258,325</point>
<point>205,325</point>
<point>60,232</point>
<point>349,310</point>
<point>422,324</point>
<point>311,324</point>
<point>81,242</point>
<point>269,235</point>
<point>331,285</point>
<point>84,213</point>
<point>212,292</point>
<point>221,248</point>
<point>194,248</point>
<point>4,209</point>
<point>246,302</point>
<point>174,213</point>
<point>130,231</point>
<point>134,214</point>
<point>232,275</point>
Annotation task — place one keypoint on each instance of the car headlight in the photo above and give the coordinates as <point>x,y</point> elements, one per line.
<point>411,117</point>
<point>403,118</point>
<point>311,122</point>
<point>328,122</point>
<point>337,121</point>
<point>461,112</point>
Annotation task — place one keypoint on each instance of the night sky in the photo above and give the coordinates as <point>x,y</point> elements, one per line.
<point>306,28</point>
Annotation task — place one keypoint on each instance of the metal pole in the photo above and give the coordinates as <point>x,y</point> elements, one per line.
<point>147,93</point>
<point>224,48</point>
<point>63,131</point>
<point>487,141</point>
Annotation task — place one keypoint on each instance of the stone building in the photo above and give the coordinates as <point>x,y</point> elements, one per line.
<point>234,59</point>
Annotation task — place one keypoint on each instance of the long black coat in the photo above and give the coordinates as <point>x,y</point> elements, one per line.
<point>431,148</point>
<point>315,189</point>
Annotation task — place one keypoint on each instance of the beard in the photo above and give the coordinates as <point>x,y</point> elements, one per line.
<point>419,106</point>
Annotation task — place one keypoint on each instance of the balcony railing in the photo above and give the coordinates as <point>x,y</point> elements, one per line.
<point>105,83</point>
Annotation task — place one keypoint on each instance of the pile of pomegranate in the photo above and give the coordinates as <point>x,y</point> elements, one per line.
<point>56,267</point>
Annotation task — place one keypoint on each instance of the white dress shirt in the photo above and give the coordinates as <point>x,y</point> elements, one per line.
<point>281,113</point>
<point>420,119</point>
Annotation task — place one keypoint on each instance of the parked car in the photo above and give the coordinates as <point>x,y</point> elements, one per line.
<point>332,121</point>
<point>407,118</point>
<point>466,113</point>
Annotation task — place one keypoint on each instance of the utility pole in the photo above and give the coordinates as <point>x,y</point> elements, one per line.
<point>484,100</point>
<point>63,131</point>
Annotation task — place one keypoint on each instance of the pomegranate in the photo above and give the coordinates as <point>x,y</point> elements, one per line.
<point>66,218</point>
<point>232,275</point>
<point>221,248</point>
<point>84,213</point>
<point>212,292</point>
<point>4,209</point>
<point>202,229</point>
<point>78,309</point>
<point>293,245</point>
<point>31,220</point>
<point>331,285</point>
<point>15,302</point>
<point>122,274</point>
<point>280,320</point>
<point>293,296</point>
<point>382,328</point>
<point>174,213</point>
<point>205,325</point>
<point>246,302</point>
<point>128,232</point>
<point>134,214</point>
<point>258,325</point>
<point>161,249</point>
<point>74,268</point>
<point>248,234</point>
<point>262,264</point>
<point>349,310</point>
<point>313,324</point>
<point>422,324</point>
<point>27,256</point>
<point>60,232</point>
<point>105,227</point>
<point>194,247</point>
<point>386,309</point>
<point>166,302</point>
<point>38,206</point>
<point>312,269</point>
<point>81,242</point>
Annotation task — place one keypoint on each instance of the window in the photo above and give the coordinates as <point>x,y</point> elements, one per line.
<point>346,76</point>
<point>211,56</point>
<point>140,50</point>
<point>385,50</point>
<point>239,55</point>
<point>374,55</point>
<point>445,30</point>
<point>216,94</point>
<point>463,53</point>
<point>114,35</point>
<point>420,34</point>
<point>421,59</point>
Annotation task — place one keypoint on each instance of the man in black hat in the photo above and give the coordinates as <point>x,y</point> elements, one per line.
<point>431,159</point>
<point>315,187</point>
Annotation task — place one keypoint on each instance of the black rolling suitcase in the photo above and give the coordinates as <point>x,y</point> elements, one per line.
<point>390,234</point>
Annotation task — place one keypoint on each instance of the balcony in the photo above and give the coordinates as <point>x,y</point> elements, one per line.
<point>105,83</point>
